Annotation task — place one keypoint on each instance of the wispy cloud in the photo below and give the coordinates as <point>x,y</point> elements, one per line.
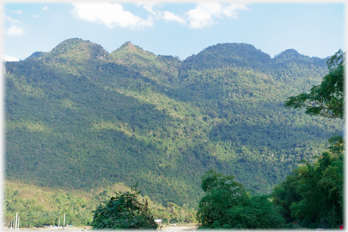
<point>9,58</point>
<point>148,6</point>
<point>169,16</point>
<point>17,11</point>
<point>157,14</point>
<point>231,10</point>
<point>15,27</point>
<point>111,15</point>
<point>14,31</point>
<point>45,8</point>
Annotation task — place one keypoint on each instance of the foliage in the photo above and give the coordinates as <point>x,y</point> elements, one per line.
<point>225,204</point>
<point>325,99</point>
<point>313,194</point>
<point>38,206</point>
<point>123,211</point>
<point>80,118</point>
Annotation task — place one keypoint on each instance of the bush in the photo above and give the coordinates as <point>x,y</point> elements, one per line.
<point>123,211</point>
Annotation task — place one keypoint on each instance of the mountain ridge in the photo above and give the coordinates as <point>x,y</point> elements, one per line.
<point>130,46</point>
<point>157,120</point>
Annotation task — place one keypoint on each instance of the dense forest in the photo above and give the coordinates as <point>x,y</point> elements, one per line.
<point>312,196</point>
<point>79,118</point>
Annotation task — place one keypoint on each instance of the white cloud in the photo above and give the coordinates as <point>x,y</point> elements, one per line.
<point>169,16</point>
<point>17,11</point>
<point>230,11</point>
<point>15,28</point>
<point>148,6</point>
<point>113,15</point>
<point>45,8</point>
<point>35,16</point>
<point>9,58</point>
<point>14,31</point>
<point>11,20</point>
<point>110,14</point>
<point>203,15</point>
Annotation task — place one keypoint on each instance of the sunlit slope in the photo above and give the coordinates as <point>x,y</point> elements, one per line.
<point>38,206</point>
<point>133,116</point>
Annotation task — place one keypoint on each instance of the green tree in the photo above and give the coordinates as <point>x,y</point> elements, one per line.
<point>123,211</point>
<point>327,98</point>
<point>225,204</point>
<point>313,194</point>
<point>256,213</point>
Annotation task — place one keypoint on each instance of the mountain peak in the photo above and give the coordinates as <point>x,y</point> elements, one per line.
<point>291,55</point>
<point>288,55</point>
<point>227,54</point>
<point>128,50</point>
<point>129,47</point>
<point>78,48</point>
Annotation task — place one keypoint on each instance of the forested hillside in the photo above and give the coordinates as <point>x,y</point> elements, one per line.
<point>38,206</point>
<point>80,118</point>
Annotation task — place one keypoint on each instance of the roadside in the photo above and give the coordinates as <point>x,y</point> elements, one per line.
<point>180,228</point>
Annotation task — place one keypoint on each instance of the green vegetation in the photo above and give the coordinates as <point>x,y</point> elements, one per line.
<point>124,211</point>
<point>225,204</point>
<point>325,99</point>
<point>312,196</point>
<point>80,118</point>
<point>39,206</point>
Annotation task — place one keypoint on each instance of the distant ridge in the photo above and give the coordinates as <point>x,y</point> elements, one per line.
<point>37,55</point>
<point>228,51</point>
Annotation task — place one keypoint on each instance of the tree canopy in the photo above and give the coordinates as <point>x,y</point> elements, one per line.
<point>327,98</point>
<point>313,195</point>
<point>124,211</point>
<point>226,204</point>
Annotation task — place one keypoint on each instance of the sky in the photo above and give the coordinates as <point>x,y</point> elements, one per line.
<point>178,29</point>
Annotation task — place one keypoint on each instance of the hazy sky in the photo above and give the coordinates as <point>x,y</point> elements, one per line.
<point>178,29</point>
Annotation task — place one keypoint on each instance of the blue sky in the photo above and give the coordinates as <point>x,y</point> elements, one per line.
<point>177,29</point>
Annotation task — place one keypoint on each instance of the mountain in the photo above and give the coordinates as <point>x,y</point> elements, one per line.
<point>80,118</point>
<point>228,55</point>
